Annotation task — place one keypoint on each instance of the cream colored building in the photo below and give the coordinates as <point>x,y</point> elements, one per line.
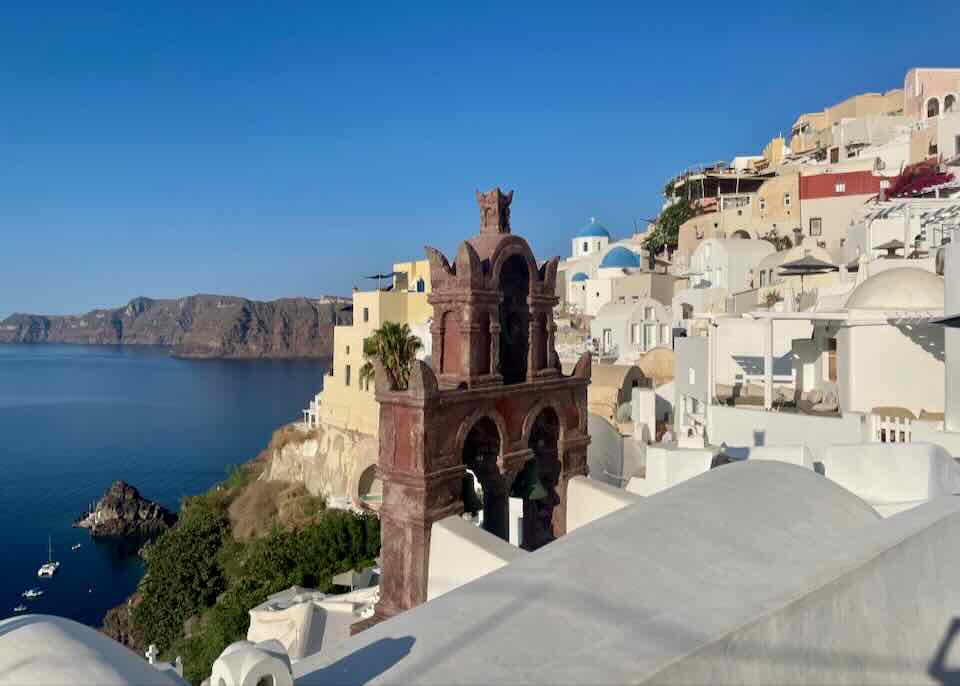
<point>929,93</point>
<point>804,134</point>
<point>775,206</point>
<point>345,402</point>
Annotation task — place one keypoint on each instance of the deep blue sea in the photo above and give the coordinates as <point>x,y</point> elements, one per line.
<point>73,419</point>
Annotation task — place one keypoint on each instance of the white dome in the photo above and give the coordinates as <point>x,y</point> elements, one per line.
<point>43,649</point>
<point>906,288</point>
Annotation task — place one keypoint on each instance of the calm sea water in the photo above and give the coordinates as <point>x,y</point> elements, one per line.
<point>75,418</point>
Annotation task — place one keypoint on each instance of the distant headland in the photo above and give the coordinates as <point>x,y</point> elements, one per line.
<point>197,326</point>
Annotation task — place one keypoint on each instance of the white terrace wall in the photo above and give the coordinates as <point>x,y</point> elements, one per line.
<point>461,552</point>
<point>887,365</point>
<point>738,427</point>
<point>612,457</point>
<point>588,500</point>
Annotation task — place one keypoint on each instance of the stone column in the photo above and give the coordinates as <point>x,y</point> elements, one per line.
<point>436,331</point>
<point>420,487</point>
<point>532,337</point>
<point>494,342</point>
<point>767,368</point>
<point>573,453</point>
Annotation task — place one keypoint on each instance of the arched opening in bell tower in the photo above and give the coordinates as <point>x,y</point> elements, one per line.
<point>480,451</point>
<point>514,319</point>
<point>539,480</point>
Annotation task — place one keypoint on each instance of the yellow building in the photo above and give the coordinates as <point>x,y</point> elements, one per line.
<point>345,402</point>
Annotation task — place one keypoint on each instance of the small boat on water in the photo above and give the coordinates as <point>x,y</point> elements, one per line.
<point>50,568</point>
<point>32,593</point>
<point>20,608</point>
<point>75,546</point>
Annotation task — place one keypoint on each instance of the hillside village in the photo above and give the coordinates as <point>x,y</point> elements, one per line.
<point>749,415</point>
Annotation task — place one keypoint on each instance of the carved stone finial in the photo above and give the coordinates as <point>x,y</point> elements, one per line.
<point>494,211</point>
<point>423,382</point>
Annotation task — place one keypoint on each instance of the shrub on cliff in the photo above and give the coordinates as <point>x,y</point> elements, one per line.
<point>307,556</point>
<point>182,574</point>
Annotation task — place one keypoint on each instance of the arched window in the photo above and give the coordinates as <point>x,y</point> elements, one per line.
<point>514,319</point>
<point>949,103</point>
<point>933,108</point>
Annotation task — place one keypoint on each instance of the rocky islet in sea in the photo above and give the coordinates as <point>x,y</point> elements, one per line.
<point>122,512</point>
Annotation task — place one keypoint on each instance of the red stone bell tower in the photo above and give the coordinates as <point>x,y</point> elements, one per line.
<point>495,403</point>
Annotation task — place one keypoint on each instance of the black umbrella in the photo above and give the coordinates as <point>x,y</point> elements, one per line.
<point>808,264</point>
<point>891,247</point>
<point>379,277</point>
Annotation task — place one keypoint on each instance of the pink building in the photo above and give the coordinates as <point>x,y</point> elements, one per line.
<point>930,92</point>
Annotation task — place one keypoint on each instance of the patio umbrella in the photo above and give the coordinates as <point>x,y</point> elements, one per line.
<point>379,277</point>
<point>891,247</point>
<point>808,264</point>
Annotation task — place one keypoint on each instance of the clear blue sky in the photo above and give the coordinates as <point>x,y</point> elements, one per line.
<point>277,149</point>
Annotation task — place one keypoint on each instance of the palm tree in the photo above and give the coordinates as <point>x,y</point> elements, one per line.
<point>397,347</point>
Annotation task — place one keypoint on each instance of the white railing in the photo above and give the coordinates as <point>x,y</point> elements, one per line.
<point>890,429</point>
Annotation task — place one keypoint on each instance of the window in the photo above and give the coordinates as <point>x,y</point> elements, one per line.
<point>648,313</point>
<point>346,375</point>
<point>787,200</point>
<point>421,286</point>
<point>832,360</point>
<point>834,155</point>
<point>763,204</point>
<point>763,279</point>
<point>956,145</point>
<point>586,246</point>
<point>348,350</point>
<point>816,226</point>
<point>933,108</point>
<point>649,336</point>
<point>884,184</point>
<point>840,187</point>
<point>949,103</point>
<point>366,314</point>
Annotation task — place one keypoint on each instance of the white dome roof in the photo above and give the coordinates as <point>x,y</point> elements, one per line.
<point>43,649</point>
<point>906,288</point>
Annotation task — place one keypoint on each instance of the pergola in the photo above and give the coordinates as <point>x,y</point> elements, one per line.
<point>936,213</point>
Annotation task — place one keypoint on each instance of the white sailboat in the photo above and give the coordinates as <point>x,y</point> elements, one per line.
<point>20,608</point>
<point>32,593</point>
<point>50,568</point>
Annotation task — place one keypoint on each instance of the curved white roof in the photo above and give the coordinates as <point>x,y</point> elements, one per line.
<point>633,310</point>
<point>43,649</point>
<point>633,592</point>
<point>907,288</point>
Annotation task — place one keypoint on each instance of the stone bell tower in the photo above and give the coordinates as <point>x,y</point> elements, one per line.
<point>495,404</point>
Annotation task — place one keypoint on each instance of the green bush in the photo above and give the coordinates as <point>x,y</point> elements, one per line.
<point>182,573</point>
<point>199,569</point>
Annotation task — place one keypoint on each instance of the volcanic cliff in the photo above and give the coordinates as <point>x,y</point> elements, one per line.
<point>196,326</point>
